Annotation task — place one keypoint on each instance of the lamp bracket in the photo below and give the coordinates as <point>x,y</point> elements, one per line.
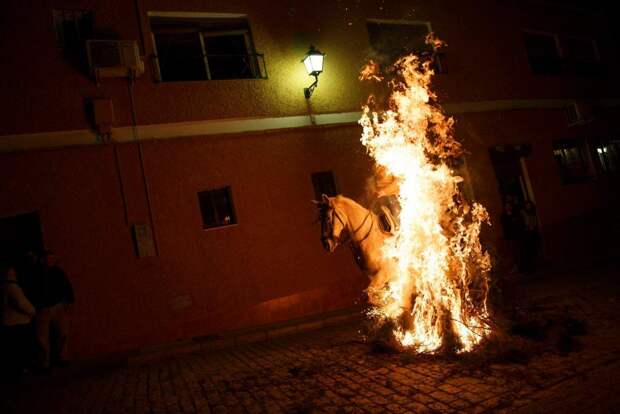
<point>308,91</point>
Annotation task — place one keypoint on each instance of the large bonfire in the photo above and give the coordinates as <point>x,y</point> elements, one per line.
<point>436,290</point>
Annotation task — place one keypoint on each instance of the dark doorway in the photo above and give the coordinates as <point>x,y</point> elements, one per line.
<point>506,162</point>
<point>20,234</point>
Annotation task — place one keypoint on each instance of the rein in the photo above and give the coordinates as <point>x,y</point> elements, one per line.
<point>353,232</point>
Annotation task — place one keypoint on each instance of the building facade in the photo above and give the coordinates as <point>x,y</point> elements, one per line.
<point>177,194</point>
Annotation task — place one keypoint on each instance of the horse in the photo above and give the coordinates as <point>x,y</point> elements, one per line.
<point>345,222</point>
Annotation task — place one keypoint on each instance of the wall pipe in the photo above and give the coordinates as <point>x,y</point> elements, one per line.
<point>145,183</point>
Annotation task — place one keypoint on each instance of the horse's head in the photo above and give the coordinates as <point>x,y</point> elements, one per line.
<point>332,223</point>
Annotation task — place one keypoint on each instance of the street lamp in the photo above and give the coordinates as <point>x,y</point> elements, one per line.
<point>313,61</point>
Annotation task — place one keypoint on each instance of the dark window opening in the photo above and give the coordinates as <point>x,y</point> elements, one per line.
<point>72,27</point>
<point>543,54</point>
<point>390,41</point>
<point>572,114</point>
<point>506,161</point>
<point>189,49</point>
<point>608,155</point>
<point>216,208</point>
<point>550,54</point>
<point>580,56</point>
<point>324,183</point>
<point>180,57</point>
<point>571,159</point>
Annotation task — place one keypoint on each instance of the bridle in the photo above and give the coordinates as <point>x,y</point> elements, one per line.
<point>325,211</point>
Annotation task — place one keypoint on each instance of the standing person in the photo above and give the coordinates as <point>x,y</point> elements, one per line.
<point>512,226</point>
<point>531,237</point>
<point>29,274</point>
<point>52,325</point>
<point>17,314</point>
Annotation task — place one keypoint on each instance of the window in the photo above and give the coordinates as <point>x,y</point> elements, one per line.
<point>72,27</point>
<point>580,56</point>
<point>571,159</point>
<point>392,39</point>
<point>543,53</point>
<point>216,208</point>
<point>608,155</point>
<point>198,48</point>
<point>323,183</point>
<point>550,54</point>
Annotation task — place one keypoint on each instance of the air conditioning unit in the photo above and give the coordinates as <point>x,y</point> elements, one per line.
<point>114,58</point>
<point>578,113</point>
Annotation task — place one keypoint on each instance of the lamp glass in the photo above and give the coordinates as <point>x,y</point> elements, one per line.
<point>314,63</point>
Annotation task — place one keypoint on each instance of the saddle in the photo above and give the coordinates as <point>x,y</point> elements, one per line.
<point>387,210</point>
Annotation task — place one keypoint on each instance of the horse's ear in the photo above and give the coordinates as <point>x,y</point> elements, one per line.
<point>324,198</point>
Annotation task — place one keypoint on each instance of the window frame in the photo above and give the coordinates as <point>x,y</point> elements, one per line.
<point>61,15</point>
<point>558,49</point>
<point>439,58</point>
<point>219,223</point>
<point>590,39</point>
<point>561,49</point>
<point>583,147</point>
<point>249,45</point>
<point>600,143</point>
<point>255,65</point>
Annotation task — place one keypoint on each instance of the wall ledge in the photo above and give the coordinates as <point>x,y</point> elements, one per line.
<point>126,134</point>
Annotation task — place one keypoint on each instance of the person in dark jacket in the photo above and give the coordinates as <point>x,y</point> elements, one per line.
<point>29,271</point>
<point>17,313</point>
<point>512,226</point>
<point>53,298</point>
<point>530,238</point>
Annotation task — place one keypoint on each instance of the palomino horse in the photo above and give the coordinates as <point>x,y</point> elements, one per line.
<point>343,221</point>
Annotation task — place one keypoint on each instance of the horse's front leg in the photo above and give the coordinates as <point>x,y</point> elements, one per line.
<point>377,286</point>
<point>379,281</point>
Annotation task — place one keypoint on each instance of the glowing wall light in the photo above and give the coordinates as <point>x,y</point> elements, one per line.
<point>313,61</point>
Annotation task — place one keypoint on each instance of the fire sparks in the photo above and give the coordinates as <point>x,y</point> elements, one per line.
<point>436,269</point>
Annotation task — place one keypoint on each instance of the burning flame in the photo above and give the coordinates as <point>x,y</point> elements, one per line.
<point>437,282</point>
<point>371,71</point>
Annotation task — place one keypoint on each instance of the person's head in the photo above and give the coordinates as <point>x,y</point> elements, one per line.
<point>7,271</point>
<point>529,206</point>
<point>508,206</point>
<point>49,258</point>
<point>11,274</point>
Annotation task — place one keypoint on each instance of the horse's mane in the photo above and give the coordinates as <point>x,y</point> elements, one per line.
<point>346,200</point>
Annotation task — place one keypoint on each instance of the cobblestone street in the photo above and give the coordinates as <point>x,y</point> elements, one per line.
<point>332,370</point>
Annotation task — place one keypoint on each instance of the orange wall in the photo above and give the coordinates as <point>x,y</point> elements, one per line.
<point>269,267</point>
